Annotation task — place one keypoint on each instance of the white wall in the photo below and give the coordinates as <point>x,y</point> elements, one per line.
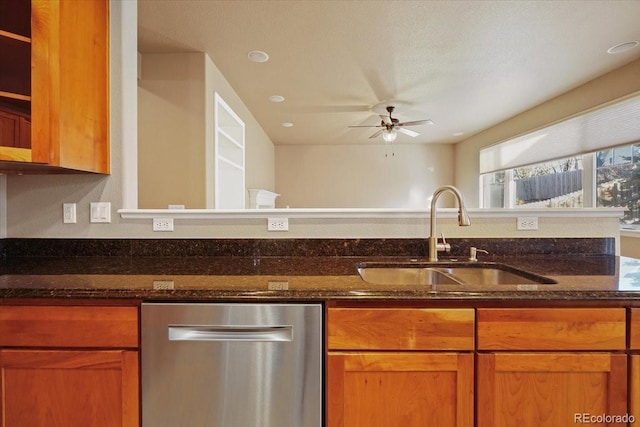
<point>259,150</point>
<point>361,176</point>
<point>630,244</point>
<point>171,130</point>
<point>175,126</point>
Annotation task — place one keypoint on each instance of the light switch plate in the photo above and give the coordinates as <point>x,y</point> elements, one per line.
<point>100,212</point>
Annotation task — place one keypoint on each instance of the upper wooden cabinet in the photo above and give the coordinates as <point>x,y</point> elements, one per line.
<point>57,71</point>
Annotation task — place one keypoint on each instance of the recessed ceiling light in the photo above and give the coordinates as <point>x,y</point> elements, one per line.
<point>623,47</point>
<point>276,98</point>
<point>287,124</point>
<point>458,134</point>
<point>258,56</point>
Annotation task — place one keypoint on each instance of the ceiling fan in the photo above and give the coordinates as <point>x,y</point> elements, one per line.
<point>391,126</point>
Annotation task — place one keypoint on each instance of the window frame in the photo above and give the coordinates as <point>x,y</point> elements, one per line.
<point>589,183</point>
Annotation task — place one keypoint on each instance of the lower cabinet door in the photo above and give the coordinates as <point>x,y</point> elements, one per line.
<point>551,389</point>
<point>402,389</point>
<point>69,388</point>
<point>634,384</point>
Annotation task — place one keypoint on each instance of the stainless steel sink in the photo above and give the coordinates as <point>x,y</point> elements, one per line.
<point>496,275</point>
<point>448,273</point>
<point>405,276</point>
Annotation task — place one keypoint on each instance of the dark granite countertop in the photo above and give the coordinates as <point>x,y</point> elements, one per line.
<point>579,277</point>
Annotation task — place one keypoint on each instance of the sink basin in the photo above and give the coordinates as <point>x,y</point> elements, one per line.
<point>406,276</point>
<point>496,275</point>
<point>448,273</point>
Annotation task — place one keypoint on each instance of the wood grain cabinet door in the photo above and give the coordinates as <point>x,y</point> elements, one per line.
<point>59,388</point>
<point>634,386</point>
<point>70,84</point>
<point>550,389</point>
<point>634,375</point>
<point>399,389</point>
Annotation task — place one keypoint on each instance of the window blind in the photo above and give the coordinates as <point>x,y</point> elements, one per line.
<point>615,124</point>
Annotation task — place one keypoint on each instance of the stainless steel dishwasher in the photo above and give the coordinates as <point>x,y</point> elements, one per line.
<point>231,365</point>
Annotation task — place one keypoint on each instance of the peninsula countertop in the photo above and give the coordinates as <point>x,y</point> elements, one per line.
<point>305,278</point>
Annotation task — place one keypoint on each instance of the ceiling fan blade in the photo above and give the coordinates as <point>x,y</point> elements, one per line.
<point>365,126</point>
<point>314,109</point>
<point>408,132</point>
<point>385,119</point>
<point>417,122</point>
<point>376,134</point>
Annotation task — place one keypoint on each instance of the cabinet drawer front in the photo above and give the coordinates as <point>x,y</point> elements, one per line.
<point>400,329</point>
<point>44,326</point>
<point>551,329</point>
<point>634,329</point>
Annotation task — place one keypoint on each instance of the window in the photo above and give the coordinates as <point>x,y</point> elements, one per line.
<point>559,183</point>
<point>618,181</point>
<point>588,160</point>
<point>544,185</point>
<point>550,184</point>
<point>493,190</point>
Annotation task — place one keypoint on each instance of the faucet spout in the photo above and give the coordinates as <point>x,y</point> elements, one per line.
<point>463,220</point>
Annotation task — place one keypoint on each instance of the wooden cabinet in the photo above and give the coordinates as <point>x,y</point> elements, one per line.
<point>69,366</point>
<point>55,68</point>
<point>634,375</point>
<point>551,329</point>
<point>552,365</point>
<point>400,367</point>
<point>549,389</point>
<point>15,129</point>
<point>15,80</point>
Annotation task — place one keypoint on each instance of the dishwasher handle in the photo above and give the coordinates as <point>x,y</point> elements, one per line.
<point>230,333</point>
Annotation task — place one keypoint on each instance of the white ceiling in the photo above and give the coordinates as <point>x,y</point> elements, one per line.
<point>466,65</point>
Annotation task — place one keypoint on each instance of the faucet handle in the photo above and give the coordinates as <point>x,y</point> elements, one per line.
<point>444,246</point>
<point>473,253</point>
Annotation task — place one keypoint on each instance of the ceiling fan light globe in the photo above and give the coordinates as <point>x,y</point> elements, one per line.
<point>389,135</point>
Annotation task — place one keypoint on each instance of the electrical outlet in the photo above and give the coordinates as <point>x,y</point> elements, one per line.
<point>278,285</point>
<point>69,213</point>
<point>162,224</point>
<point>163,284</point>
<point>278,224</point>
<point>527,223</point>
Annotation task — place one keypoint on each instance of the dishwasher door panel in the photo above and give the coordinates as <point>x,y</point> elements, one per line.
<point>231,365</point>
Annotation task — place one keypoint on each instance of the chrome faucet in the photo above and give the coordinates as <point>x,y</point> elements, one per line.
<point>463,220</point>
